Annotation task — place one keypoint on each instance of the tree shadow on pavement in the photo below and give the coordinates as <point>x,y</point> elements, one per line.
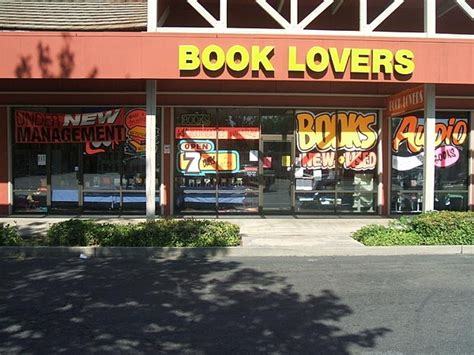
<point>184,305</point>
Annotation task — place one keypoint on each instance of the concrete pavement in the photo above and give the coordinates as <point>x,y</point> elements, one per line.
<point>302,231</point>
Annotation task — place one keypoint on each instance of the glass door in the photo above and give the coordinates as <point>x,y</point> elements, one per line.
<point>276,182</point>
<point>65,178</point>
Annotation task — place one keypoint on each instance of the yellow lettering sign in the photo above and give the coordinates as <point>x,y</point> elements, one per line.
<point>317,59</point>
<point>360,60</point>
<point>357,131</point>
<point>237,58</point>
<point>405,63</point>
<point>293,64</point>
<point>189,57</point>
<point>213,58</point>
<point>340,63</point>
<point>261,58</point>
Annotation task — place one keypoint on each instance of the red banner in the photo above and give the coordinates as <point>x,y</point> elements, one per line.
<point>221,132</point>
<point>40,127</point>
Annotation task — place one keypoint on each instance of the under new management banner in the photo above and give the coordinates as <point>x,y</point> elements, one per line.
<point>115,125</point>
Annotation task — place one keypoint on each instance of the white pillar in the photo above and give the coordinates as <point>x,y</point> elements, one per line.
<point>430,17</point>
<point>150,149</point>
<point>429,148</point>
<point>380,164</point>
<point>10,161</point>
<point>152,18</point>
<point>471,159</point>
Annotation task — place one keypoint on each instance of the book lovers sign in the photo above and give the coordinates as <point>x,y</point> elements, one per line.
<point>315,61</point>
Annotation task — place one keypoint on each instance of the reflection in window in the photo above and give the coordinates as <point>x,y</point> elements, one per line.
<point>195,179</point>
<point>451,162</point>
<point>103,176</point>
<point>217,160</point>
<point>336,161</point>
<point>277,121</point>
<point>29,178</point>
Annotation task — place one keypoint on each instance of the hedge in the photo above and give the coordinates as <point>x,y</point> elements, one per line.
<point>9,235</point>
<point>161,233</point>
<point>431,228</point>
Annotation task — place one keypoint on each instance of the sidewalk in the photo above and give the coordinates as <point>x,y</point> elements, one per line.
<point>275,231</point>
<point>302,231</point>
<point>286,236</point>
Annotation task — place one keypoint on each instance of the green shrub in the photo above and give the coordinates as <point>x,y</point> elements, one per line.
<point>377,235</point>
<point>218,234</point>
<point>72,232</point>
<point>161,233</point>
<point>9,235</point>
<point>446,227</point>
<point>432,228</point>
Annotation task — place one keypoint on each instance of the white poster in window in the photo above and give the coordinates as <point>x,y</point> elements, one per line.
<point>299,172</point>
<point>304,185</point>
<point>318,174</point>
<point>41,159</point>
<point>407,163</point>
<point>253,155</point>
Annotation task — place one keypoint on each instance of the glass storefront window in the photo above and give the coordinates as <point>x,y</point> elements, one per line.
<point>332,169</point>
<point>196,142</point>
<point>277,121</point>
<point>451,162</point>
<point>93,159</point>
<point>238,189</point>
<point>65,177</point>
<point>217,160</point>
<point>102,180</point>
<point>336,161</point>
<point>30,178</point>
<point>452,154</point>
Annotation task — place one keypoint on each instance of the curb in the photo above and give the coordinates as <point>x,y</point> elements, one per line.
<point>219,252</point>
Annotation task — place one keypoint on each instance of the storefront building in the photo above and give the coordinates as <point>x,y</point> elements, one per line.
<point>238,107</point>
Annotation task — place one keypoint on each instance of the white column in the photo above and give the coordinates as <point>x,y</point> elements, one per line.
<point>150,149</point>
<point>471,159</point>
<point>430,17</point>
<point>172,143</point>
<point>162,159</point>
<point>10,160</point>
<point>429,148</point>
<point>380,163</point>
<point>152,18</point>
